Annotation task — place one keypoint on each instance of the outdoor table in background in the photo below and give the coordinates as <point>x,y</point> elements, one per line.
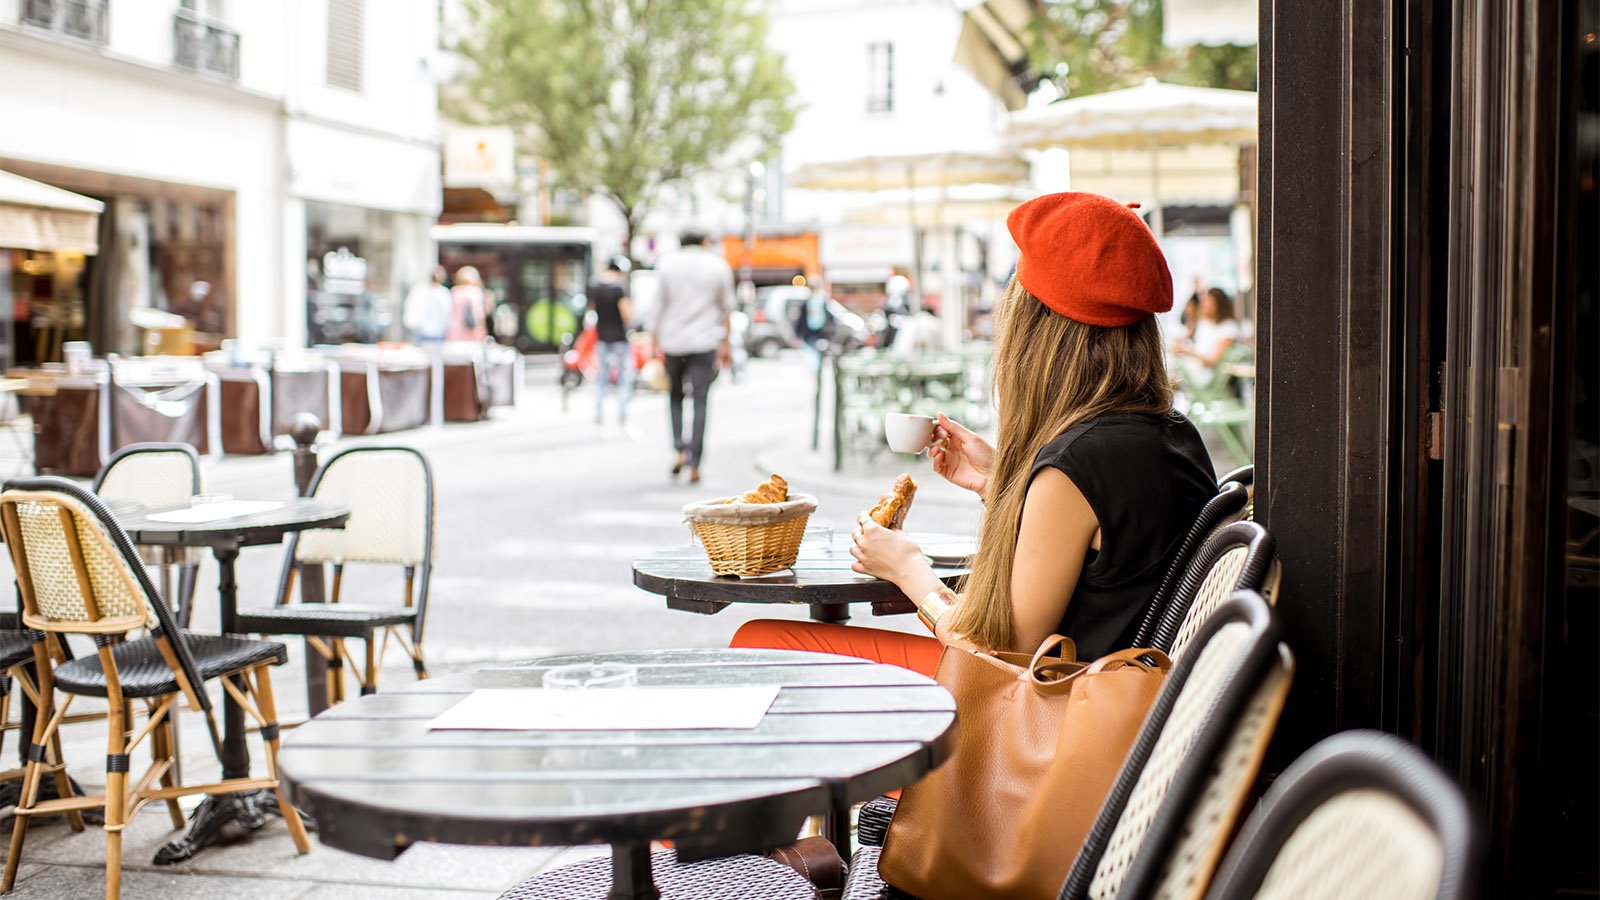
<point>821,577</point>
<point>841,731</point>
<point>225,537</point>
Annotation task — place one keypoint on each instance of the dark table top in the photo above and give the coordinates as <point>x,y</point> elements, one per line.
<point>821,575</point>
<point>841,731</point>
<point>266,527</point>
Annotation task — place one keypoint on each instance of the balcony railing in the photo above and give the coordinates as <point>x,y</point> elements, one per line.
<point>201,45</point>
<point>84,20</point>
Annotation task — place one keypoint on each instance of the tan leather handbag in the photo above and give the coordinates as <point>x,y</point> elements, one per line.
<point>1038,744</point>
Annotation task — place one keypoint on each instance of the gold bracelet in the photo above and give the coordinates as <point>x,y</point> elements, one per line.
<point>933,606</point>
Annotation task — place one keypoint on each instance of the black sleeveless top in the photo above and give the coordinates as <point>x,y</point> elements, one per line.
<point>1146,477</point>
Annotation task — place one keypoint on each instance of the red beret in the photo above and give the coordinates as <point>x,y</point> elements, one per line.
<point>1090,258</point>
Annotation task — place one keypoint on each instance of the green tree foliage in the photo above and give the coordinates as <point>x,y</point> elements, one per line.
<point>1104,45</point>
<point>627,97</point>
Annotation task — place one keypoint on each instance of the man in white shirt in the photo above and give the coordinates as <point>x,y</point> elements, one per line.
<point>426,313</point>
<point>691,331</point>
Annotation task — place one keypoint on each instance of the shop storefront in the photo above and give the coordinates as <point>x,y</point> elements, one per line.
<point>367,204</point>
<point>46,236</point>
<point>161,246</point>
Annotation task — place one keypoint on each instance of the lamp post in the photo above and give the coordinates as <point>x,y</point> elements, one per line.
<point>753,175</point>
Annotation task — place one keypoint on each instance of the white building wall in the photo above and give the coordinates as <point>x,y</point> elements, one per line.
<point>125,112</point>
<point>275,138</point>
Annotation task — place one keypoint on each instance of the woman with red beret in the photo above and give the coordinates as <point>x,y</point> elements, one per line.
<point>1093,479</point>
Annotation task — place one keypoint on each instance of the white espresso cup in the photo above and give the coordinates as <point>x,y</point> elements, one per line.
<point>907,433</point>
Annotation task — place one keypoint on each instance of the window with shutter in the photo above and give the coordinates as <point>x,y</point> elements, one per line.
<point>346,33</point>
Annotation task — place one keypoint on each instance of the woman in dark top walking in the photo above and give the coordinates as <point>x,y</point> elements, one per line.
<point>608,297</point>
<point>1093,479</point>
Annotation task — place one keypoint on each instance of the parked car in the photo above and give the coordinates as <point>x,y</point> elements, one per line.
<point>777,310</point>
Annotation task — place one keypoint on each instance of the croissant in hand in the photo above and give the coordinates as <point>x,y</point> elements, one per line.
<point>891,510</point>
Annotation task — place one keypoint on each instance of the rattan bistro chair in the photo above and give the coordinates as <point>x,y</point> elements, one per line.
<point>389,491</point>
<point>1240,556</point>
<point>1361,816</point>
<point>1218,512</point>
<point>1165,823</point>
<point>79,574</point>
<point>158,476</point>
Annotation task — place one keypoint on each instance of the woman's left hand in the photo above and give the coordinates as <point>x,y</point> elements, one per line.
<point>884,553</point>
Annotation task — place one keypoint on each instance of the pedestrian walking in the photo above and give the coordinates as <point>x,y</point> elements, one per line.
<point>691,331</point>
<point>613,312</point>
<point>469,307</point>
<point>427,309</point>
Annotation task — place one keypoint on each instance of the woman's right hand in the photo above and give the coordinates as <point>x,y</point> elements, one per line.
<point>960,456</point>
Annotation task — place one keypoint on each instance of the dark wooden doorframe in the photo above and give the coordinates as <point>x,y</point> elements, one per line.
<point>1414,257</point>
<point>1338,357</point>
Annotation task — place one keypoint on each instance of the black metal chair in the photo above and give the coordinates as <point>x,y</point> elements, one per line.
<point>1165,823</point>
<point>1361,814</point>
<point>1186,776</point>
<point>1220,510</point>
<point>79,574</point>
<point>1245,475</point>
<point>1239,556</point>
<point>389,491</point>
<point>158,476</point>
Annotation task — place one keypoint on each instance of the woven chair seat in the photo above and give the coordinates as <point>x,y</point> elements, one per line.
<point>16,647</point>
<point>864,882</point>
<point>144,673</point>
<point>742,877</point>
<point>323,619</point>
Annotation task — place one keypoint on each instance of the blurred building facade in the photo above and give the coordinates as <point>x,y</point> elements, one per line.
<point>270,171</point>
<point>871,77</point>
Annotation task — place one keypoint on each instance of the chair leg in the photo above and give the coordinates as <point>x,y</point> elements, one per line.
<point>417,663</point>
<point>162,748</point>
<point>19,824</point>
<point>268,708</point>
<point>336,672</point>
<point>116,783</point>
<point>188,577</point>
<point>63,780</point>
<point>369,681</point>
<point>116,812</point>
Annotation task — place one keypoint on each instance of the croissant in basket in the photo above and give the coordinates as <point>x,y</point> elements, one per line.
<point>773,490</point>
<point>891,510</point>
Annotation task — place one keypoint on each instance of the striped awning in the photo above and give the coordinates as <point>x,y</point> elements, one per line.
<point>36,216</point>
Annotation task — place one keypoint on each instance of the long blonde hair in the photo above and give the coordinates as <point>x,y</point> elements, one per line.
<point>1050,373</point>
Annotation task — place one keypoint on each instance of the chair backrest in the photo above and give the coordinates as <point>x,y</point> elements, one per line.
<point>1235,557</point>
<point>389,491</point>
<point>1207,702</point>
<point>1362,815</point>
<point>153,475</point>
<point>1245,475</point>
<point>1218,511</point>
<point>78,572</point>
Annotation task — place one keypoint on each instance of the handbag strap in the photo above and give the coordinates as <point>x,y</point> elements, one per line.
<point>1134,656</point>
<point>1069,650</point>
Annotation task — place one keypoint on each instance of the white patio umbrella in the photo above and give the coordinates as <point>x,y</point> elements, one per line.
<point>1149,116</point>
<point>940,169</point>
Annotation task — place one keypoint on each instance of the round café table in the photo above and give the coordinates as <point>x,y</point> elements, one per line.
<point>821,577</point>
<point>225,537</point>
<point>841,731</point>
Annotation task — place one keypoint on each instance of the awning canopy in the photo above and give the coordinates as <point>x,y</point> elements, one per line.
<point>1210,22</point>
<point>1152,114</point>
<point>888,173</point>
<point>36,216</point>
<point>991,48</point>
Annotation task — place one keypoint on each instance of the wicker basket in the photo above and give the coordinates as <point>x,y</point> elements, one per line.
<point>750,538</point>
